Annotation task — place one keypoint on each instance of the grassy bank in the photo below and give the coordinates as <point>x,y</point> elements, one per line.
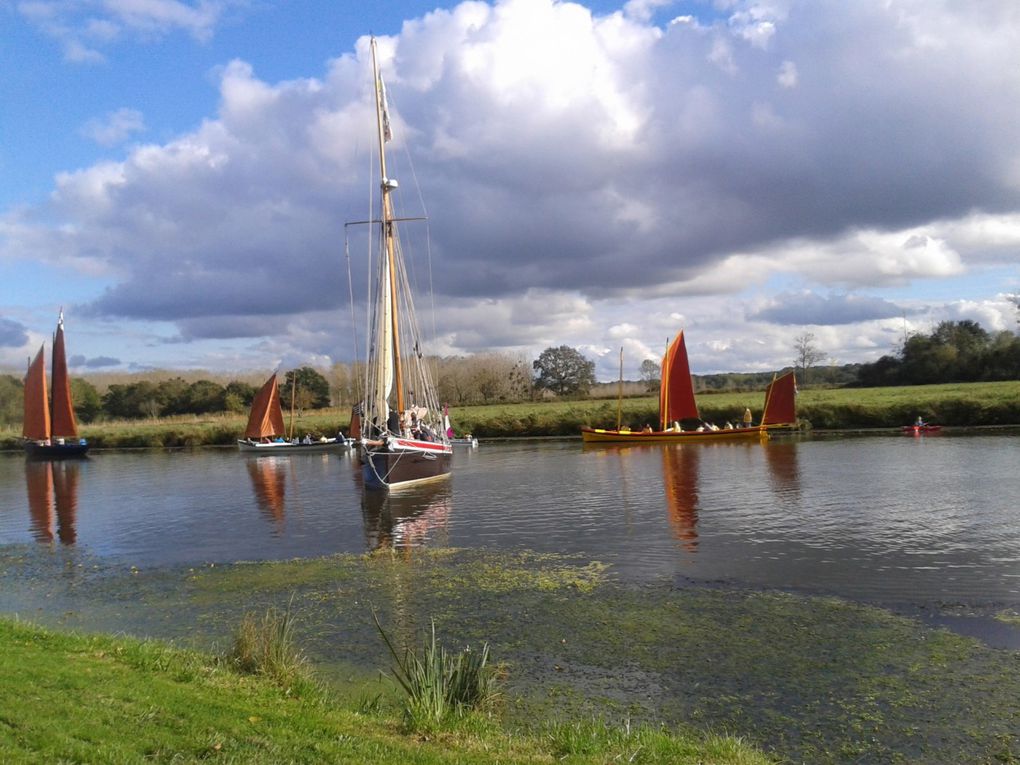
<point>77,698</point>
<point>962,404</point>
<point>585,660</point>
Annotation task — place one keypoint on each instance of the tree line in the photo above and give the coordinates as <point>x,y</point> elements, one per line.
<point>954,352</point>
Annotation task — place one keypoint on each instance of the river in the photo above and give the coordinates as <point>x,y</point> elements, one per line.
<point>923,524</point>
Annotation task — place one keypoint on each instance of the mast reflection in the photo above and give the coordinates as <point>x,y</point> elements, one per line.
<point>680,478</point>
<point>269,482</point>
<point>52,500</point>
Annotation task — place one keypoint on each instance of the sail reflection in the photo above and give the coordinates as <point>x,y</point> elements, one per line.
<point>269,482</point>
<point>784,468</point>
<point>52,500</point>
<point>680,479</point>
<point>406,518</point>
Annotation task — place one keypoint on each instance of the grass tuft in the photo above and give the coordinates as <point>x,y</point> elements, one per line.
<point>265,645</point>
<point>440,686</point>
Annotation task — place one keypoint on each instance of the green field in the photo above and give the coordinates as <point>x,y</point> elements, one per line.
<point>956,405</point>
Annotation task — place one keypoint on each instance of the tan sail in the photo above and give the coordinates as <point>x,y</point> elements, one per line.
<point>266,418</point>
<point>64,423</point>
<point>36,425</point>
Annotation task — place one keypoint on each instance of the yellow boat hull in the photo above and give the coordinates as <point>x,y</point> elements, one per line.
<point>600,435</point>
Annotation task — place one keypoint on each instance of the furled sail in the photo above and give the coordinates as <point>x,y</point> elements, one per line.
<point>676,391</point>
<point>266,418</point>
<point>36,425</point>
<point>780,401</point>
<point>63,423</point>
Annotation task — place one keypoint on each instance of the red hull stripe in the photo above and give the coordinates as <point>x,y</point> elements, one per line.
<point>426,446</point>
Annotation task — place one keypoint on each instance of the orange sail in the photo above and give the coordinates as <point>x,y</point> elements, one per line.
<point>676,391</point>
<point>37,410</point>
<point>64,423</point>
<point>266,418</point>
<point>780,401</point>
<point>39,482</point>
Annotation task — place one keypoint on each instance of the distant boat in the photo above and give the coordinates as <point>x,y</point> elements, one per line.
<point>678,405</point>
<point>918,428</point>
<point>46,436</point>
<point>265,433</point>
<point>403,439</point>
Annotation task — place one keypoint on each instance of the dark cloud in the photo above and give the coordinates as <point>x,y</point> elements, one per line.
<point>12,334</point>
<point>98,362</point>
<point>810,308</point>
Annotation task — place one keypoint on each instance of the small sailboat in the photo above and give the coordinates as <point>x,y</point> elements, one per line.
<point>46,436</point>
<point>678,405</point>
<point>403,440</point>
<point>265,432</point>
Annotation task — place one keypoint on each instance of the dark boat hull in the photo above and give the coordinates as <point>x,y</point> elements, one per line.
<point>387,468</point>
<point>55,451</point>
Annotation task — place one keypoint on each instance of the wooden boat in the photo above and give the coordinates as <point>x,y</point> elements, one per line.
<point>403,439</point>
<point>678,405</point>
<point>265,431</point>
<point>46,436</point>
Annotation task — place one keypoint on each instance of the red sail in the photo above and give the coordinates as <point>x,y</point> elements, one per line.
<point>676,391</point>
<point>266,418</point>
<point>780,401</point>
<point>64,423</point>
<point>37,410</point>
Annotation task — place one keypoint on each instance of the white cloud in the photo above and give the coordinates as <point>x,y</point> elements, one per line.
<point>114,128</point>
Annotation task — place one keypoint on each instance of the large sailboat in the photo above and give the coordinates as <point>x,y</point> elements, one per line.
<point>51,433</point>
<point>265,432</point>
<point>677,405</point>
<point>403,440</point>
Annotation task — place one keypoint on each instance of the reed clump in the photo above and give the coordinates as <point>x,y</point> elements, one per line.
<point>265,645</point>
<point>440,686</point>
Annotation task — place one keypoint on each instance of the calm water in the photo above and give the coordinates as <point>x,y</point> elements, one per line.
<point>893,520</point>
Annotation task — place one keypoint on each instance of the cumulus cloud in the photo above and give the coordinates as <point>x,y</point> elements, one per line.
<point>571,162</point>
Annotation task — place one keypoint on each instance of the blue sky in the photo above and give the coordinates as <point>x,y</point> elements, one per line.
<point>176,175</point>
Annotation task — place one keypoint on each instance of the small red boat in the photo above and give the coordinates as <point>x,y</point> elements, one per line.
<point>924,428</point>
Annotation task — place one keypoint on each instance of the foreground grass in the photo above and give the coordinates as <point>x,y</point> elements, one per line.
<point>956,404</point>
<point>77,698</point>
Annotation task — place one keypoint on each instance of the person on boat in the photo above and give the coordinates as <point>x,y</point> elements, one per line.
<point>647,428</point>
<point>728,426</point>
<point>920,422</point>
<point>676,427</point>
<point>747,418</point>
<point>308,438</point>
<point>393,422</point>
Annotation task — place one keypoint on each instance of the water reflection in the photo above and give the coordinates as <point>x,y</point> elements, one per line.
<point>406,518</point>
<point>52,500</point>
<point>269,481</point>
<point>784,468</point>
<point>680,479</point>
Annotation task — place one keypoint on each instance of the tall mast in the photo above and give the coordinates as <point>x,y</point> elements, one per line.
<point>387,185</point>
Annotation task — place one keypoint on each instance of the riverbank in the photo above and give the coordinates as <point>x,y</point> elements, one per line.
<point>95,698</point>
<point>953,405</point>
<point>805,679</point>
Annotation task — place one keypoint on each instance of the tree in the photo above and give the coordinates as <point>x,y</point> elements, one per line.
<point>651,373</point>
<point>87,403</point>
<point>564,371</point>
<point>312,389</point>
<point>11,397</point>
<point>808,353</point>
<point>237,396</point>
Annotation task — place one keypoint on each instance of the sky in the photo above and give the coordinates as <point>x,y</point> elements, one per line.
<point>176,176</point>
